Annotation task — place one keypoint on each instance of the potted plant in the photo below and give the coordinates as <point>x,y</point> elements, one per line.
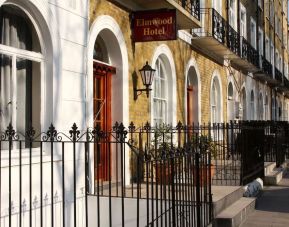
<point>161,147</point>
<point>204,144</point>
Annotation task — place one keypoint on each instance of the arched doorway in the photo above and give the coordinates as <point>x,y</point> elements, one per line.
<point>106,38</point>
<point>192,97</point>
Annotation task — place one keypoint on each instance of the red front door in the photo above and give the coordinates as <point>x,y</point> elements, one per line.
<point>190,109</point>
<point>102,116</point>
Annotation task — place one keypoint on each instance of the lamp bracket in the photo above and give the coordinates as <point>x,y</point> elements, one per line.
<point>138,92</point>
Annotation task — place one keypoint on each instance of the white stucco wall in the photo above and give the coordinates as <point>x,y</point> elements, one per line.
<point>62,26</point>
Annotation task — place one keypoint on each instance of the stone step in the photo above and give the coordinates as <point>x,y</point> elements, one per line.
<point>274,177</point>
<point>269,167</point>
<point>234,215</point>
<point>225,196</point>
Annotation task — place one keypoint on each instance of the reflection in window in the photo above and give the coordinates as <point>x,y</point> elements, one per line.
<point>215,102</point>
<point>160,101</point>
<point>100,51</point>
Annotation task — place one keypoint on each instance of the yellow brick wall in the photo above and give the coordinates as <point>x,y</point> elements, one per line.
<point>139,53</point>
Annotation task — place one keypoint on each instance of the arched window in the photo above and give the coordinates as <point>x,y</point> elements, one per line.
<point>273,109</point>
<point>20,71</point>
<point>252,106</point>
<point>244,104</point>
<point>160,99</point>
<point>266,112</point>
<point>215,101</point>
<point>261,107</point>
<point>100,52</point>
<point>231,102</point>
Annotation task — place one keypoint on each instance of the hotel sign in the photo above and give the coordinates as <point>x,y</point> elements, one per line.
<point>154,25</point>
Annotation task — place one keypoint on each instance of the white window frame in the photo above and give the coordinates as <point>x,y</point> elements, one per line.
<point>272,54</point>
<point>267,46</point>
<point>216,108</point>
<point>163,100</point>
<point>43,60</point>
<point>217,5</point>
<point>260,44</point>
<point>253,31</point>
<point>16,53</point>
<point>243,10</point>
<point>252,105</point>
<point>277,59</point>
<point>232,14</point>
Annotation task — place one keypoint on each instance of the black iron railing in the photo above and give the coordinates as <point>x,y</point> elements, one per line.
<point>216,26</point>
<point>233,40</point>
<point>286,82</point>
<point>278,75</point>
<point>249,53</point>
<point>267,67</point>
<point>144,176</point>
<point>192,6</point>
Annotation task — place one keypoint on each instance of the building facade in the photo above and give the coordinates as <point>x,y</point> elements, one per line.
<point>231,65</point>
<point>76,61</point>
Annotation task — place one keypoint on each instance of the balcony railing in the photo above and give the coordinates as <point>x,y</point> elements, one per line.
<point>267,67</point>
<point>286,83</point>
<point>192,6</point>
<point>278,75</point>
<point>218,26</point>
<point>233,40</point>
<point>249,53</point>
<point>231,45</point>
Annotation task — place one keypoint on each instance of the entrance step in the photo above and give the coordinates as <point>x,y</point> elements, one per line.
<point>225,196</point>
<point>234,215</point>
<point>269,167</point>
<point>274,177</point>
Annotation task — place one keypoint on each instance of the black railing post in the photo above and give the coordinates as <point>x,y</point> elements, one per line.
<point>198,187</point>
<point>173,192</point>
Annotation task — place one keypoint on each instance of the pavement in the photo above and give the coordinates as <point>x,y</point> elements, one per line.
<point>272,207</point>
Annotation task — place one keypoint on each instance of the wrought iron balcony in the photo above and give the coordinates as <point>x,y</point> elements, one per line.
<point>286,83</point>
<point>267,67</point>
<point>191,6</point>
<point>266,72</point>
<point>250,53</point>
<point>278,75</point>
<point>233,40</point>
<point>218,39</point>
<point>188,11</point>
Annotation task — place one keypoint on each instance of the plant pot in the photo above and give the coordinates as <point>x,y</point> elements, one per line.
<point>163,174</point>
<point>204,174</point>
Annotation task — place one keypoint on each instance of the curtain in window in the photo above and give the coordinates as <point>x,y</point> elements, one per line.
<point>15,32</point>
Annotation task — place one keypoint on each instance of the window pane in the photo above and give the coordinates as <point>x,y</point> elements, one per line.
<point>17,30</point>
<point>28,95</point>
<point>6,89</point>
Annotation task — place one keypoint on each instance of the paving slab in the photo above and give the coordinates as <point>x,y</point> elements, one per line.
<point>272,208</point>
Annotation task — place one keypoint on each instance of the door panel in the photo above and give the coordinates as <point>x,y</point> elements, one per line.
<point>102,117</point>
<point>190,104</point>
